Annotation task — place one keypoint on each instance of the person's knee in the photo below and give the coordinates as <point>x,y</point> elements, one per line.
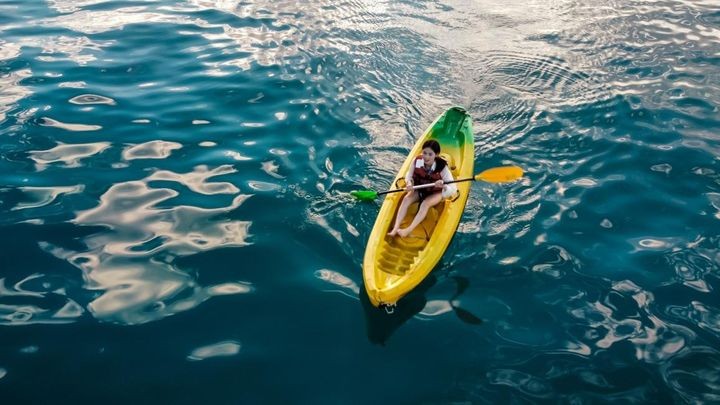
<point>426,205</point>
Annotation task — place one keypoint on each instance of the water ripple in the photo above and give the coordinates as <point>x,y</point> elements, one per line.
<point>41,196</point>
<point>49,122</point>
<point>89,99</point>
<point>132,263</point>
<point>220,349</point>
<point>36,300</point>
<point>150,150</point>
<point>69,155</point>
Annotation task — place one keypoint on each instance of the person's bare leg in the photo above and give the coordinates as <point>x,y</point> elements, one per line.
<point>430,201</point>
<point>409,198</point>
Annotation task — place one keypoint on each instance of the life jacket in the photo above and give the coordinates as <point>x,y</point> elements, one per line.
<point>422,176</point>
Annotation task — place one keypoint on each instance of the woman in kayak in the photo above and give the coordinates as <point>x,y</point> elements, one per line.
<point>426,168</point>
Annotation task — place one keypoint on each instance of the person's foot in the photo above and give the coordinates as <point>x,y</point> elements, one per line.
<point>404,232</point>
<point>393,232</point>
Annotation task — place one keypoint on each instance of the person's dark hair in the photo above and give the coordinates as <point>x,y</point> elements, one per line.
<point>435,147</point>
<point>432,144</point>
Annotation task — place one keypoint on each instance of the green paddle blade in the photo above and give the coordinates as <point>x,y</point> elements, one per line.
<point>365,195</point>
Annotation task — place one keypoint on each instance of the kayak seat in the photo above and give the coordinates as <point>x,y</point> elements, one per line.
<point>451,163</point>
<point>453,169</point>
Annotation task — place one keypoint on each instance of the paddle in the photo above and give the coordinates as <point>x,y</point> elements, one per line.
<point>495,175</point>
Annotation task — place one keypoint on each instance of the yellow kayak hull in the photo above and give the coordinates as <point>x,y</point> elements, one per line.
<point>393,266</point>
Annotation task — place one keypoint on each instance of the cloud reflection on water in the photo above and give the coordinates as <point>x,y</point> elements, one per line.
<point>131,265</point>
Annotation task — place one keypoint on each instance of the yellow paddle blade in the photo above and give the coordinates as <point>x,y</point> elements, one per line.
<point>500,174</point>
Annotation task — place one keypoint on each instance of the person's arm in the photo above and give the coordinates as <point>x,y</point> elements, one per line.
<point>449,190</point>
<point>409,175</point>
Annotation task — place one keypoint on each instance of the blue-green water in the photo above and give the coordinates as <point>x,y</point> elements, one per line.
<point>175,226</point>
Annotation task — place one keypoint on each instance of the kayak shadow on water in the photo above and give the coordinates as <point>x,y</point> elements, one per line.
<point>381,325</point>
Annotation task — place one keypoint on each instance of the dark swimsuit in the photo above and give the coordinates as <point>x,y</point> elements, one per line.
<point>425,193</point>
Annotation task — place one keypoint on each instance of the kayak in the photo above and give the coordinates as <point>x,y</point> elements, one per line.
<point>393,266</point>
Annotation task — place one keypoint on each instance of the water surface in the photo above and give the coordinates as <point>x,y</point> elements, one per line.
<point>175,225</point>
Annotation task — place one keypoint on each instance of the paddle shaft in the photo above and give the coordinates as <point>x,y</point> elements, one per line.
<point>425,186</point>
